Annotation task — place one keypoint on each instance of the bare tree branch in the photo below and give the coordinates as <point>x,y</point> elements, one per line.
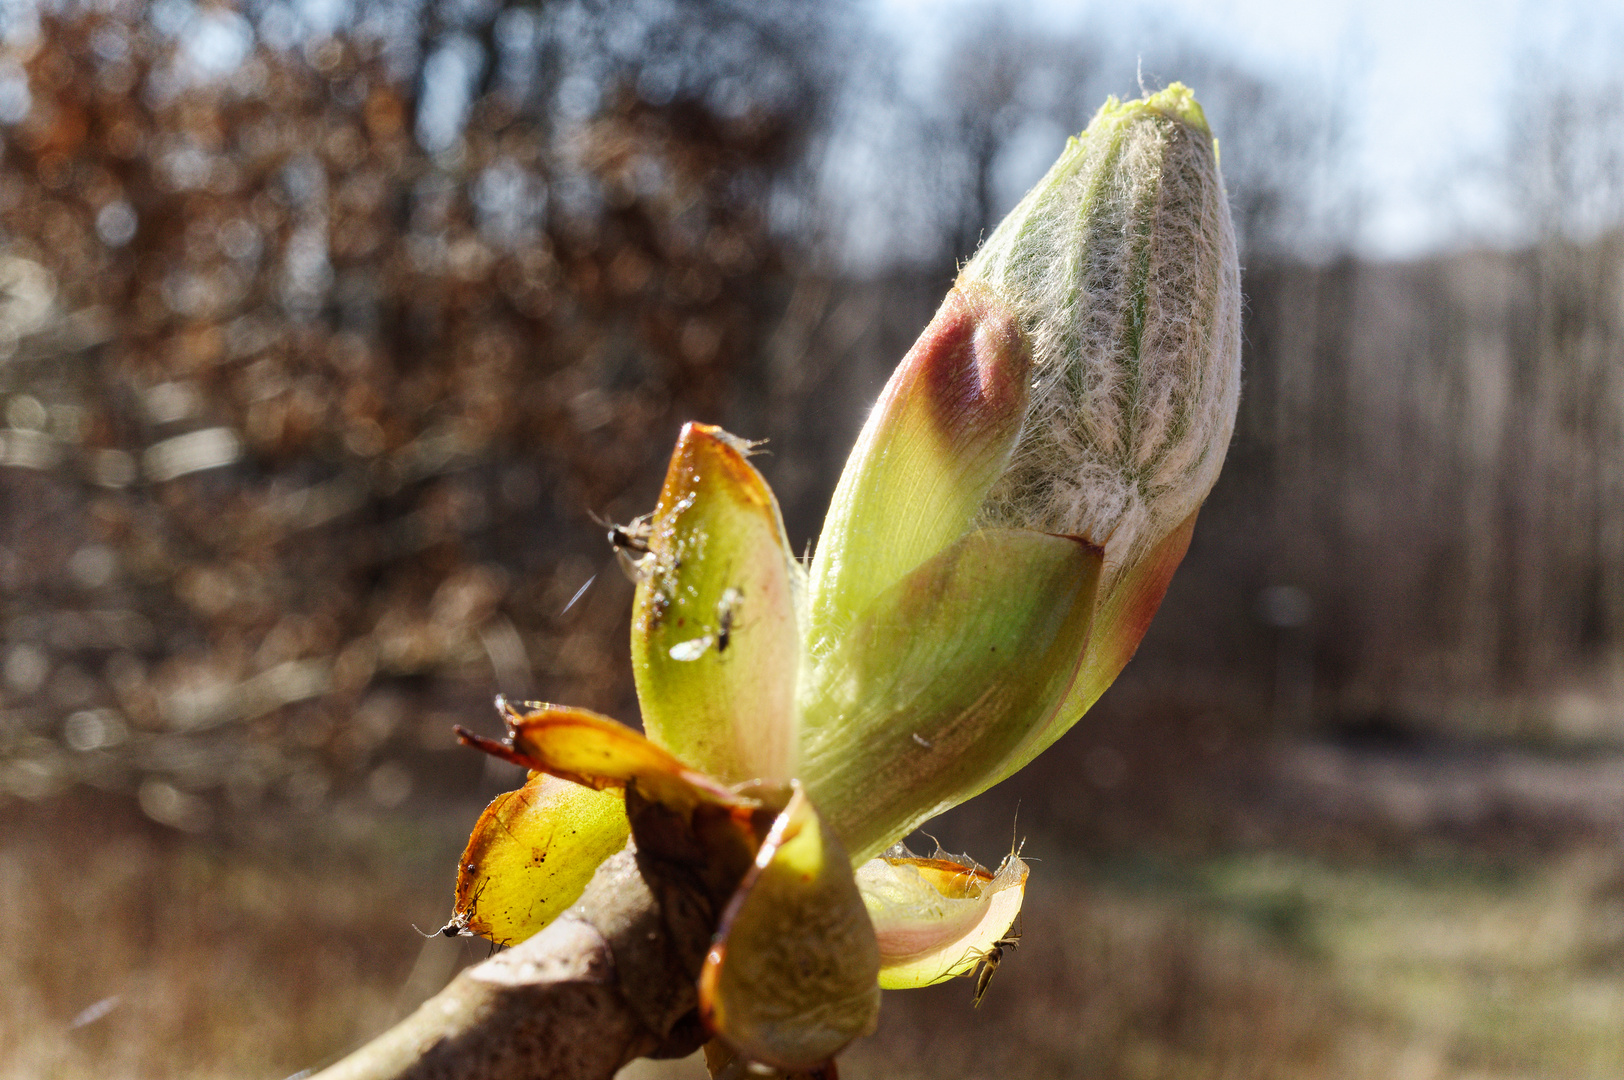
<point>606,983</point>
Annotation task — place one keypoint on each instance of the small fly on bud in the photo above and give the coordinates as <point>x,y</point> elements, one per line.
<point>989,959</point>
<point>630,543</point>
<point>632,537</point>
<point>457,926</point>
<point>726,609</point>
<point>747,447</point>
<point>987,963</point>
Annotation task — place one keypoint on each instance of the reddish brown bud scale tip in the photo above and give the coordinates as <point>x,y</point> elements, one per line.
<point>933,446</point>
<point>1123,615</point>
<point>969,367</point>
<point>702,448</point>
<point>496,748</point>
<point>1126,612</point>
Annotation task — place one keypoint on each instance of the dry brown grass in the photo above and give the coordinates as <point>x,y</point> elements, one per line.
<point>1112,985</point>
<point>271,951</point>
<point>229,960</point>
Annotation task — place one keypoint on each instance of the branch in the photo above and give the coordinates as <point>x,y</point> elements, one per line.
<point>609,981</point>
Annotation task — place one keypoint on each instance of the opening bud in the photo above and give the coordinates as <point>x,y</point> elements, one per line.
<point>1121,269</point>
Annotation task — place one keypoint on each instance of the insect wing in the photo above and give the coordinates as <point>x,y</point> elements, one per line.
<point>692,649</point>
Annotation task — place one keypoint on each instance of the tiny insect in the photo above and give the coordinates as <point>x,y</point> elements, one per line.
<point>726,610</point>
<point>987,963</point>
<point>747,447</point>
<point>458,924</point>
<point>630,543</point>
<point>632,537</point>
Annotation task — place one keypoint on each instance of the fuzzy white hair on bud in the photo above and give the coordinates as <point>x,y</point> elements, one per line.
<point>1121,267</point>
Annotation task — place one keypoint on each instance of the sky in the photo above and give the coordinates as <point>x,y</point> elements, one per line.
<point>1425,83</point>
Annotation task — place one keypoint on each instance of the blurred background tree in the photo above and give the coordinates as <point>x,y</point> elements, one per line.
<point>342,351</point>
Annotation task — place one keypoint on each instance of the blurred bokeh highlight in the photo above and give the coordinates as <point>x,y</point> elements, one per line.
<point>330,332</point>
